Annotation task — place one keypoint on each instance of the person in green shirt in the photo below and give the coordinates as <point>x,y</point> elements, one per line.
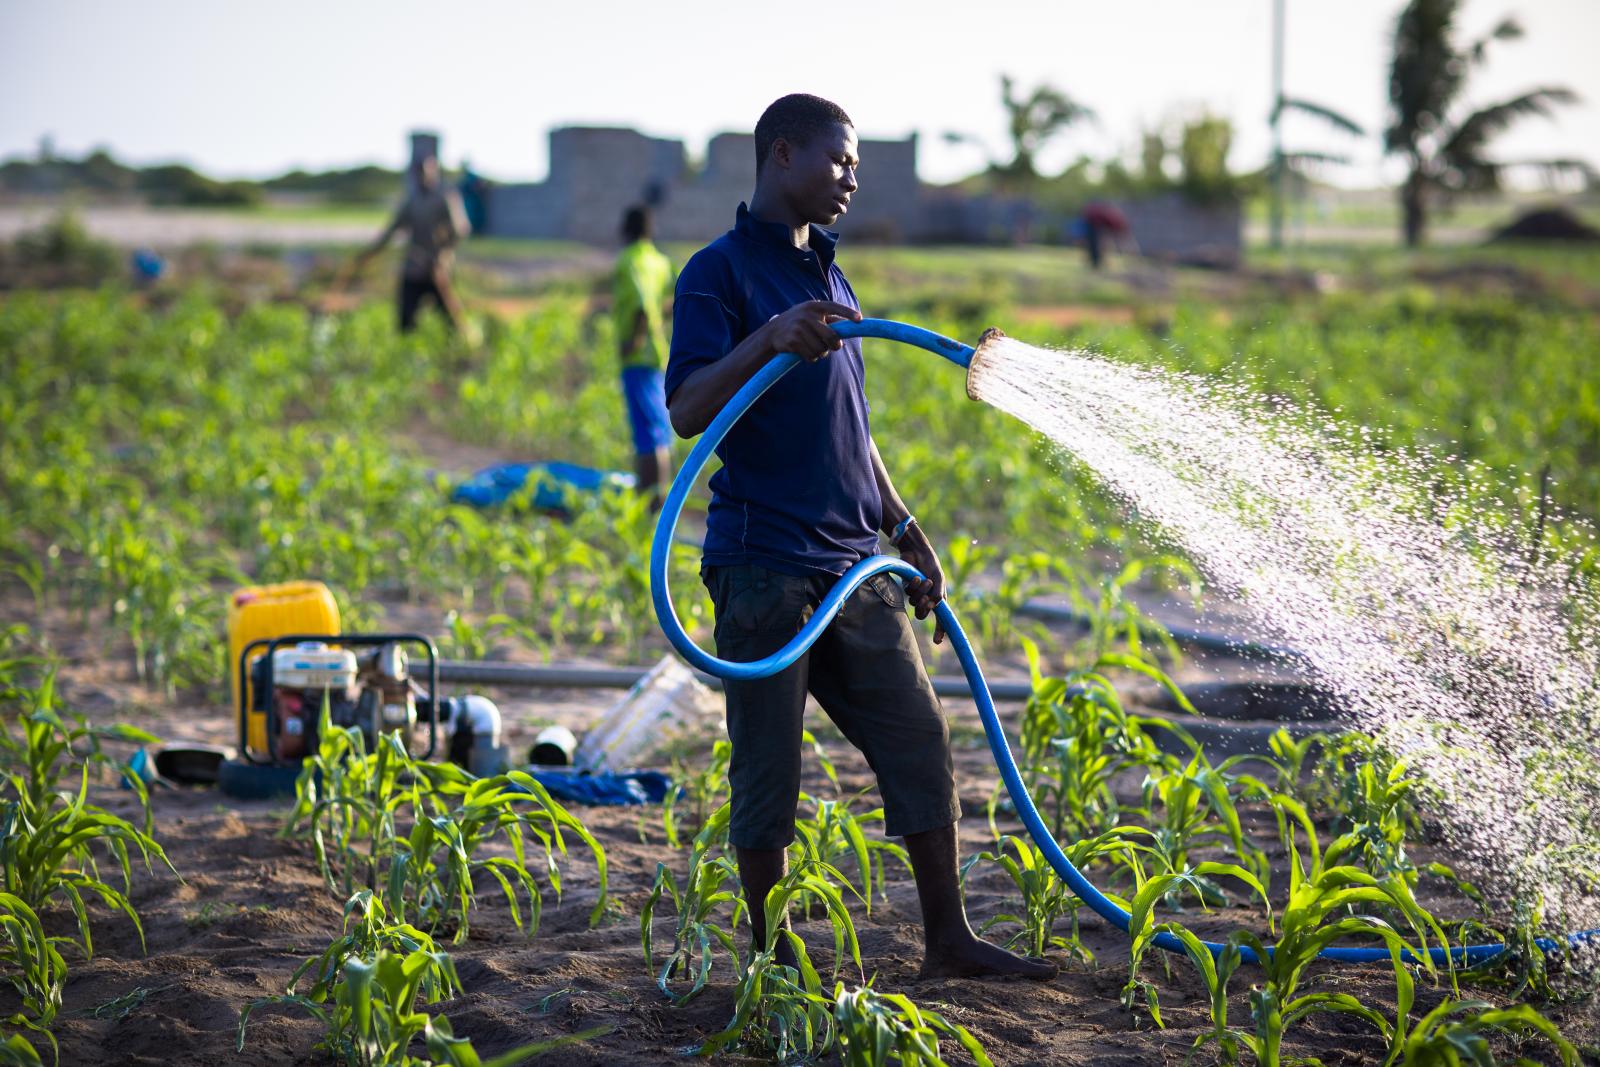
<point>641,289</point>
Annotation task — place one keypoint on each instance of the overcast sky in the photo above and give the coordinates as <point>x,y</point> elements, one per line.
<point>243,89</point>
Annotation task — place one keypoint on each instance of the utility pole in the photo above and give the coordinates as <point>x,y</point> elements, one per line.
<point>1277,124</point>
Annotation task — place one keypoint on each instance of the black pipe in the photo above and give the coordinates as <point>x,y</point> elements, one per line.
<point>1183,635</point>
<point>506,673</point>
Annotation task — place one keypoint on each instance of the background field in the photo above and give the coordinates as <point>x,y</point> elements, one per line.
<point>250,421</point>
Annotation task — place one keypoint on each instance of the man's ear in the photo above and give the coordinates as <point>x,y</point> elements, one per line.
<point>781,154</point>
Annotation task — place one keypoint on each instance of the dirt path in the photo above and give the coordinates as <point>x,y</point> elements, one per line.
<point>134,226</point>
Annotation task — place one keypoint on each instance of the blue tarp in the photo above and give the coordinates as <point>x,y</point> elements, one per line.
<point>632,787</point>
<point>554,484</point>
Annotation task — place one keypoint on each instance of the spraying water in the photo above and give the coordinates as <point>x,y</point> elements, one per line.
<point>1471,658</point>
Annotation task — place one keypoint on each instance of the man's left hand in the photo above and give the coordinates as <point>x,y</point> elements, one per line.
<point>917,550</point>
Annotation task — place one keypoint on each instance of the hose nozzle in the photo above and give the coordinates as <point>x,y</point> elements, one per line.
<point>986,345</point>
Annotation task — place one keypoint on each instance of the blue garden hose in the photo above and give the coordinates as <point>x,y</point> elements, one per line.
<point>660,553</point>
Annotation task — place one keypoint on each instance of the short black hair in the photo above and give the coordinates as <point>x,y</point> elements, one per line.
<point>636,223</point>
<point>796,118</point>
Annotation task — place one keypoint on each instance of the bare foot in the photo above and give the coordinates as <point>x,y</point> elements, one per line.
<point>979,959</point>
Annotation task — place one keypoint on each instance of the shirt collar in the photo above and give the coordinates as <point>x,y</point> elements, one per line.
<point>776,233</point>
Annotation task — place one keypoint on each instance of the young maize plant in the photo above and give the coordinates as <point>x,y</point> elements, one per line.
<point>710,884</point>
<point>833,834</point>
<point>1376,803</point>
<point>873,1029</point>
<point>1215,971</point>
<point>1116,620</point>
<point>781,1011</point>
<point>48,837</point>
<point>346,802</point>
<point>432,869</point>
<point>1076,740</point>
<point>1045,898</point>
<point>374,1015</point>
<point>1315,897</point>
<point>1523,969</point>
<point>701,791</point>
<point>1289,758</point>
<point>368,931</point>
<point>1457,1032</point>
<point>1142,923</point>
<point>350,804</point>
<point>16,1052</point>
<point>1193,807</point>
<point>35,969</point>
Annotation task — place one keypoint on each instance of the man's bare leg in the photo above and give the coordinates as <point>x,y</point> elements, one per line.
<point>952,949</point>
<point>759,870</point>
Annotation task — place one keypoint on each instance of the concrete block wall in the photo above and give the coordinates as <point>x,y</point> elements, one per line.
<point>596,173</point>
<point>1171,226</point>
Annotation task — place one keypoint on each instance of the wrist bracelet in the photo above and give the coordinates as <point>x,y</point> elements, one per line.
<point>902,529</point>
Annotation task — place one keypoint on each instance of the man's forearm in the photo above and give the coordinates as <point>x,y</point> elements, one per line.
<point>894,509</point>
<point>696,402</point>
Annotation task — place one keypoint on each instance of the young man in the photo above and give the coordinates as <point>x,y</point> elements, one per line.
<point>802,495</point>
<point>641,287</point>
<point>434,218</point>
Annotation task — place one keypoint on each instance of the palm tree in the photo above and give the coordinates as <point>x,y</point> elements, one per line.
<point>1298,165</point>
<point>1445,154</point>
<point>1033,120</point>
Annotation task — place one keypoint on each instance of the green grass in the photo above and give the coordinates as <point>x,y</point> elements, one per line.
<point>375,215</point>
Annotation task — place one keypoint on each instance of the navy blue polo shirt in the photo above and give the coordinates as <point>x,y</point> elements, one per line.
<point>796,493</point>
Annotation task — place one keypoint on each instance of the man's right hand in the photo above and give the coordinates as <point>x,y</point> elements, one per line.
<point>804,329</point>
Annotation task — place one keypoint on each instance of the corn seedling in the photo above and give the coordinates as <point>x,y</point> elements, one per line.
<point>1192,807</point>
<point>351,804</point>
<point>432,869</point>
<point>1045,898</point>
<point>702,791</point>
<point>1457,1032</point>
<point>368,931</point>
<point>1142,925</point>
<point>374,1015</point>
<point>346,802</point>
<point>1215,971</point>
<point>15,1051</point>
<point>1306,929</point>
<point>779,1012</point>
<point>709,885</point>
<point>1076,740</point>
<point>33,966</point>
<point>834,834</point>
<point>47,837</point>
<point>873,1029</point>
<point>1290,756</point>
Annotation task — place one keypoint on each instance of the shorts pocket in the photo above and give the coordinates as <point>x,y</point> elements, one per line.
<point>888,590</point>
<point>760,601</point>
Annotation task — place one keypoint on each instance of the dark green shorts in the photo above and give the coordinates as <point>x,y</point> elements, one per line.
<point>866,673</point>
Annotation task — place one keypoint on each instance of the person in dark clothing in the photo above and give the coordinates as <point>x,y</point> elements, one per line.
<point>802,495</point>
<point>435,222</point>
<point>1099,222</point>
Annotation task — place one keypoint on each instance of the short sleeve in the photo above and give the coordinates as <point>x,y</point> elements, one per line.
<point>705,326</point>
